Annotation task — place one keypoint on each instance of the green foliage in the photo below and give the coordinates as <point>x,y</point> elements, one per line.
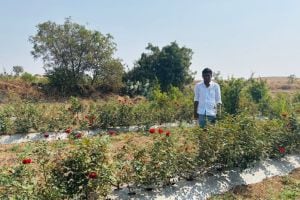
<point>19,183</point>
<point>6,124</point>
<point>109,77</point>
<point>28,77</point>
<point>280,104</point>
<point>231,94</point>
<point>27,117</point>
<point>296,97</point>
<point>63,169</point>
<point>18,70</point>
<point>143,115</point>
<point>123,169</point>
<point>252,96</point>
<point>76,106</point>
<point>72,174</point>
<point>137,88</point>
<point>187,155</point>
<point>107,115</point>
<point>71,53</point>
<point>53,117</point>
<point>238,141</point>
<point>23,181</point>
<point>169,66</point>
<point>291,190</point>
<point>170,106</point>
<point>163,107</point>
<point>242,146</point>
<point>158,164</point>
<point>258,90</point>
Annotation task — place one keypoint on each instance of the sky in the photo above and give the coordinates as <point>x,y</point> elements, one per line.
<point>235,37</point>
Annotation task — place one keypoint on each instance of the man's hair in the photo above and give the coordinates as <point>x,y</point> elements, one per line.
<point>206,71</point>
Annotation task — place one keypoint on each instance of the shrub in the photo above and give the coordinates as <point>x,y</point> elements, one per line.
<point>157,165</point>
<point>27,117</point>
<point>6,124</point>
<point>28,77</point>
<point>231,93</point>
<point>281,103</point>
<point>257,89</point>
<point>85,170</point>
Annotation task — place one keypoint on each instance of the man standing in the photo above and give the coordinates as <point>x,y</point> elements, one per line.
<point>207,99</point>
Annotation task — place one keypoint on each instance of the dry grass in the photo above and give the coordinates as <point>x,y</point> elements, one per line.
<point>18,89</point>
<point>282,84</point>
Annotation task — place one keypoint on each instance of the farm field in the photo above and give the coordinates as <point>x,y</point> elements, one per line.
<point>261,126</point>
<point>149,100</point>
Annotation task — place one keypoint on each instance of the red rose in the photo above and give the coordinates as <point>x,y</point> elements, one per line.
<point>112,132</point>
<point>46,135</point>
<point>26,161</point>
<point>152,130</point>
<point>160,130</point>
<point>68,130</point>
<point>92,175</point>
<point>168,133</point>
<point>281,150</point>
<point>78,135</point>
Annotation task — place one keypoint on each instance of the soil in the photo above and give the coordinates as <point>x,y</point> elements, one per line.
<point>270,188</point>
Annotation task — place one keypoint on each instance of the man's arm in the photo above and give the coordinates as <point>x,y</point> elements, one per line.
<point>195,109</point>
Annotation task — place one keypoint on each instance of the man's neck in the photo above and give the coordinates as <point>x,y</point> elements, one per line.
<point>207,84</point>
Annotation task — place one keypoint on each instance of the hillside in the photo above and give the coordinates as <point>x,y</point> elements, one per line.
<point>12,89</point>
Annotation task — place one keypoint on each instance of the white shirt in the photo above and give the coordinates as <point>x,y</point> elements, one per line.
<point>208,98</point>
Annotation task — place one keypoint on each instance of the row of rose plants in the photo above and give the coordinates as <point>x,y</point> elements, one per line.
<point>160,107</point>
<point>24,117</point>
<point>88,168</point>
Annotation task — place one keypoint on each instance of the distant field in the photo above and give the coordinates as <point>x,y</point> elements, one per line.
<point>282,84</point>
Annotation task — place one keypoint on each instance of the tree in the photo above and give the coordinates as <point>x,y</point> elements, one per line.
<point>70,53</point>
<point>109,79</point>
<point>169,66</point>
<point>18,70</point>
<point>291,78</point>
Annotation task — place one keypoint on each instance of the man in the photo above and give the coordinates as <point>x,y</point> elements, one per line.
<point>207,99</point>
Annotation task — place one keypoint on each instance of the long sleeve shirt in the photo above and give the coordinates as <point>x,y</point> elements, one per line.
<point>208,98</point>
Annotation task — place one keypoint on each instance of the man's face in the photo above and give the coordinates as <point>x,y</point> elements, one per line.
<point>206,77</point>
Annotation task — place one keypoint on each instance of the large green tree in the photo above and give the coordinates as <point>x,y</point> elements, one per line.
<point>74,56</point>
<point>169,66</point>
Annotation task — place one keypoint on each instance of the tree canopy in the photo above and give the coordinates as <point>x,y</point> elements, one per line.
<point>18,70</point>
<point>75,56</point>
<point>168,66</point>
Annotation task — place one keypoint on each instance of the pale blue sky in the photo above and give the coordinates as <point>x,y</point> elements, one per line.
<point>236,37</point>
